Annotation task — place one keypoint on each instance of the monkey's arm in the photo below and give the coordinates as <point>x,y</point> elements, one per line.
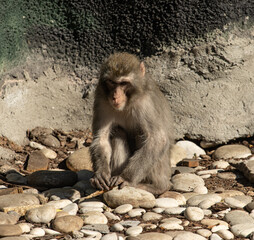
<point>100,154</point>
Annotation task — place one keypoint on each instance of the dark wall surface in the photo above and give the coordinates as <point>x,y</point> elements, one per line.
<point>85,31</point>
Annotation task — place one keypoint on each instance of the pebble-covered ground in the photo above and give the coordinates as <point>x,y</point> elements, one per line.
<point>45,193</point>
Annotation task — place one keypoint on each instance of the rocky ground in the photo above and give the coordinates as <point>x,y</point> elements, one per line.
<point>45,193</point>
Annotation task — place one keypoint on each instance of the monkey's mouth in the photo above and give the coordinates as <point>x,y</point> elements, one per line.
<point>118,106</point>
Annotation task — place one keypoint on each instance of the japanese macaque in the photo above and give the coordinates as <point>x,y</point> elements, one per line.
<point>132,128</point>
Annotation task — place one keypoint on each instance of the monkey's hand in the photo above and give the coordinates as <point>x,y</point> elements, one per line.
<point>116,180</point>
<point>101,181</point>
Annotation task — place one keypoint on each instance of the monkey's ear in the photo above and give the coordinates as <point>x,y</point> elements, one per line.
<point>142,69</point>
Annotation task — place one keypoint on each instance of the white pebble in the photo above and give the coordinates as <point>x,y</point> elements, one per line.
<point>220,164</point>
<point>218,228</point>
<point>90,233</point>
<point>176,210</point>
<point>136,212</point>
<point>205,176</point>
<point>110,236</point>
<point>170,226</point>
<point>89,209</point>
<point>117,227</point>
<point>194,213</point>
<point>92,204</point>
<point>134,231</point>
<point>166,202</point>
<point>48,153</point>
<point>59,204</point>
<point>158,210</point>
<point>36,145</point>
<point>225,234</point>
<point>26,227</point>
<point>38,232</point>
<point>51,232</point>
<point>123,209</point>
<point>200,190</point>
<point>204,232</point>
<point>72,209</point>
<point>111,216</point>
<point>215,236</point>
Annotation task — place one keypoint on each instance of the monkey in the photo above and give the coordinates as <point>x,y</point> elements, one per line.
<point>132,128</point>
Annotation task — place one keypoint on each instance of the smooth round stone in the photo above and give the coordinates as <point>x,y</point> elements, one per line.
<point>250,206</point>
<point>117,227</point>
<point>215,236</point>
<point>204,232</point>
<point>56,194</point>
<point>102,228</point>
<point>158,210</point>
<point>134,231</point>
<point>238,216</point>
<point>92,204</point>
<point>25,227</point>
<point>8,218</point>
<point>175,195</point>
<point>242,229</point>
<point>48,153</point>
<point>10,230</point>
<point>196,200</point>
<point>176,210</point>
<point>110,236</point>
<point>205,176</point>
<point>71,209</point>
<point>238,201</point>
<point>21,199</point>
<point>232,151</point>
<point>166,203</point>
<point>36,145</point>
<point>154,236</point>
<point>206,204</point>
<point>207,212</point>
<point>186,182</point>
<point>38,232</point>
<point>213,222</point>
<point>51,232</point>
<point>194,213</point>
<point>89,209</point>
<point>230,193</point>
<point>59,204</point>
<point>189,236</point>
<point>51,179</point>
<point>177,155</point>
<point>191,148</point>
<point>210,171</point>
<point>150,216</point>
<point>92,234</point>
<point>123,209</point>
<point>171,220</point>
<point>136,212</point>
<point>94,218</point>
<point>42,214</point>
<point>220,164</point>
<point>171,226</point>
<point>129,195</point>
<point>67,224</point>
<point>227,175</point>
<point>218,228</point>
<point>148,226</point>
<point>200,190</point>
<point>111,216</point>
<point>49,141</point>
<point>205,144</point>
<point>225,234</point>
<point>130,223</point>
<point>16,238</point>
<point>80,160</point>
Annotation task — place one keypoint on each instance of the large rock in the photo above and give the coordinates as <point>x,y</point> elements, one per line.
<point>50,179</point>
<point>232,151</point>
<point>67,224</point>
<point>134,196</point>
<point>246,167</point>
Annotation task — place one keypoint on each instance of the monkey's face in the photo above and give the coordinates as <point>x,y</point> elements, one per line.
<point>118,92</point>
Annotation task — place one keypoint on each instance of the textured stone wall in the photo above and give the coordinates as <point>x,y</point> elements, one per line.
<point>200,52</point>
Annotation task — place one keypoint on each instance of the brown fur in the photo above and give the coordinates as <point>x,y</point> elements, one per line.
<point>131,144</point>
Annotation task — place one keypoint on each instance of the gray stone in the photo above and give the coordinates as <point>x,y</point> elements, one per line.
<point>15,238</point>
<point>102,228</point>
<point>186,182</point>
<point>42,214</point>
<point>238,201</point>
<point>220,164</point>
<point>59,204</point>
<point>227,175</point>
<point>94,218</point>
<point>175,210</point>
<point>196,200</point>
<point>247,168</point>
<point>51,179</point>
<point>130,223</point>
<point>6,153</point>
<point>49,153</point>
<point>122,209</point>
<point>242,229</point>
<point>71,209</point>
<point>231,151</point>
<point>22,199</point>
<point>136,212</point>
<point>37,232</point>
<point>80,160</point>
<point>49,141</point>
<point>62,193</point>
<point>117,227</point>
<point>182,169</point>
<point>238,217</point>
<point>134,196</point>
<point>189,236</point>
<point>111,216</point>
<point>154,236</point>
<point>67,224</point>
<point>91,234</point>
<point>110,236</point>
